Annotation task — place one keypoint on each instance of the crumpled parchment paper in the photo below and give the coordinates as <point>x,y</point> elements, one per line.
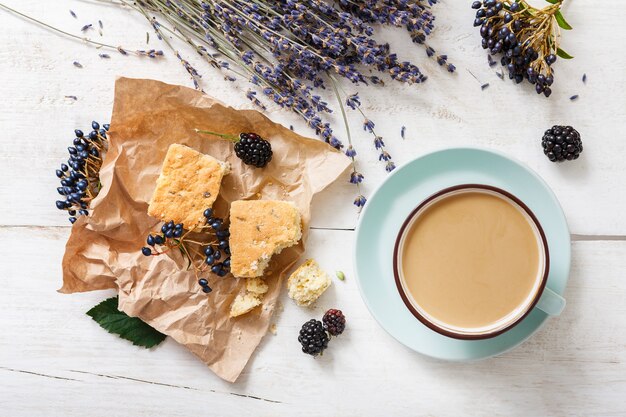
<point>104,250</point>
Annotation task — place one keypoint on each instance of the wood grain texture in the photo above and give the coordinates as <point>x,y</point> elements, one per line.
<point>55,361</point>
<point>448,110</point>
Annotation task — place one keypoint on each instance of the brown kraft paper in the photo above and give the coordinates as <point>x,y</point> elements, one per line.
<point>104,250</point>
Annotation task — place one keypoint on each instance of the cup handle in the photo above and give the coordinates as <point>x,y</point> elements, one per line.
<point>550,302</point>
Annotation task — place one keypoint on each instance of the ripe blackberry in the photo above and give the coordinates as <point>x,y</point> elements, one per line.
<point>313,337</point>
<point>251,148</point>
<point>562,143</point>
<point>334,322</point>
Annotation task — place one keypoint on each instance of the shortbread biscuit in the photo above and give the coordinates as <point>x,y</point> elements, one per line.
<point>258,230</point>
<point>255,291</point>
<point>307,283</point>
<point>189,184</point>
<point>244,303</point>
<point>256,286</point>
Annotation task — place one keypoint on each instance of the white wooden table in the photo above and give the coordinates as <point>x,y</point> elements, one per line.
<point>55,361</point>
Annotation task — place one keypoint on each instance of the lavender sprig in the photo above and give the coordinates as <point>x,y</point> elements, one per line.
<point>70,35</point>
<point>290,50</point>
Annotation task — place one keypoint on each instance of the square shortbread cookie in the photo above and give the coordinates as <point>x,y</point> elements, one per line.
<point>189,184</point>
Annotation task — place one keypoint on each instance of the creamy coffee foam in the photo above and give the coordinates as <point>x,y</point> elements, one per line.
<point>471,260</point>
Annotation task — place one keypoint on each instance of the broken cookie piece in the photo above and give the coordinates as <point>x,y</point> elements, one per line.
<point>189,183</point>
<point>256,286</point>
<point>244,303</point>
<point>258,230</point>
<point>307,283</point>
<point>253,297</point>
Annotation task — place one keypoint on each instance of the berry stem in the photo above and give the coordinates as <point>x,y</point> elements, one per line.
<point>231,138</point>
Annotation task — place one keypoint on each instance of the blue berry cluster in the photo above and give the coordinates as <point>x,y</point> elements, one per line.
<point>507,29</point>
<point>80,176</point>
<point>169,231</point>
<point>214,252</point>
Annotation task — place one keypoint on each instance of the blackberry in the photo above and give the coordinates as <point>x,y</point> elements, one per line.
<point>313,337</point>
<point>561,143</point>
<point>251,148</point>
<point>334,322</point>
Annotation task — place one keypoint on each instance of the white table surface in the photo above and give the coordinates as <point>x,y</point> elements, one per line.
<point>55,361</point>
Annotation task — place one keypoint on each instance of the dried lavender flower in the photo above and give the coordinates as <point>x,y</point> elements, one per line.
<point>77,64</point>
<point>62,32</point>
<point>290,50</point>
<point>584,78</point>
<point>86,27</point>
<point>486,85</point>
<point>360,201</point>
<point>574,97</point>
<point>104,56</point>
<point>100,24</point>
<point>73,14</point>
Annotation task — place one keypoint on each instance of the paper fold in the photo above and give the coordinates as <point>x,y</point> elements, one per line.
<point>104,250</point>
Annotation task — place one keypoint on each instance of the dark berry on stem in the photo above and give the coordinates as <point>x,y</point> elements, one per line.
<point>334,322</point>
<point>313,337</point>
<point>146,251</point>
<point>251,148</point>
<point>203,282</point>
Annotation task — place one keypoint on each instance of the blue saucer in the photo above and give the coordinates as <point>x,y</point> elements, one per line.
<point>401,192</point>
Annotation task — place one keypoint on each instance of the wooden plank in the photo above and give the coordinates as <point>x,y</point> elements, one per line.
<point>37,120</point>
<point>56,361</point>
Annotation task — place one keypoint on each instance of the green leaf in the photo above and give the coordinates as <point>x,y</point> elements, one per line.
<point>561,21</point>
<point>563,54</point>
<point>553,1</point>
<point>117,322</point>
